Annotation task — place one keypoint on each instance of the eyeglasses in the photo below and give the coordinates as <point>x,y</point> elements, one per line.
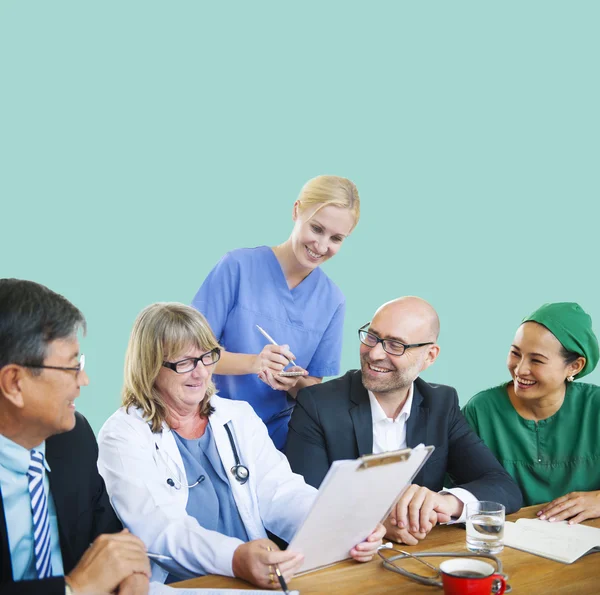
<point>78,368</point>
<point>189,363</point>
<point>390,346</point>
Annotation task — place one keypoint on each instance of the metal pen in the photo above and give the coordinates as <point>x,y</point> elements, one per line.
<point>271,340</point>
<point>282,582</point>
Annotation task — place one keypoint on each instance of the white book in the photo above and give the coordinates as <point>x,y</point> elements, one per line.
<point>558,541</point>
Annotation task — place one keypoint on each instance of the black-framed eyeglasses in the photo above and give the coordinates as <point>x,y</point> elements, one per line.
<point>78,368</point>
<point>189,363</point>
<point>390,346</point>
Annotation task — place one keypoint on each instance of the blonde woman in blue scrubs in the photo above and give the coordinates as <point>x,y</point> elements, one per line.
<point>283,290</point>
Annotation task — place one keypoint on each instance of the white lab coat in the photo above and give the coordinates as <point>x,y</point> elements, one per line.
<point>136,475</point>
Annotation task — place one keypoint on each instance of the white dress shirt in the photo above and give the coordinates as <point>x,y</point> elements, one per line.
<point>390,434</point>
<point>14,464</point>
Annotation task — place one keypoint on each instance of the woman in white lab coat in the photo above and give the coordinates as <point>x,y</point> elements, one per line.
<point>197,477</point>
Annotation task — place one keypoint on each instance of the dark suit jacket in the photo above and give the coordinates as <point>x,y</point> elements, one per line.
<point>332,421</point>
<point>82,507</point>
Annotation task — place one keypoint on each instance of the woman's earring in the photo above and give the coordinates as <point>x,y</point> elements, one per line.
<point>570,378</point>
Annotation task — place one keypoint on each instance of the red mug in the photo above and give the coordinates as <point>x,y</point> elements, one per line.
<point>467,576</point>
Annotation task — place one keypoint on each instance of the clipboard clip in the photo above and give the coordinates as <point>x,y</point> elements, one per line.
<point>384,458</point>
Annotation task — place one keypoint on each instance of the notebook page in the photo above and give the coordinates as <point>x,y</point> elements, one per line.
<point>558,541</point>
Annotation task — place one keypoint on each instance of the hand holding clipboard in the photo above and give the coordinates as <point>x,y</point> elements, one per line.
<point>354,497</point>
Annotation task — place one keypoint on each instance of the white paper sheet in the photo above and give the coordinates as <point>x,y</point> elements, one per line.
<point>349,505</point>
<point>160,589</point>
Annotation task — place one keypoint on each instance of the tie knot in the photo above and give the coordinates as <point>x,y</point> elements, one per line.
<point>36,465</point>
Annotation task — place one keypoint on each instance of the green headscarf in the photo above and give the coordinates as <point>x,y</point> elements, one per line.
<point>572,326</point>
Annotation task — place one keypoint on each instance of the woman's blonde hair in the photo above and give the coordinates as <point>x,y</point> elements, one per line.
<point>161,332</point>
<point>333,191</point>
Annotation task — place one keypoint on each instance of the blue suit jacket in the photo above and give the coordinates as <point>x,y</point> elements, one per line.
<point>82,507</point>
<point>332,421</point>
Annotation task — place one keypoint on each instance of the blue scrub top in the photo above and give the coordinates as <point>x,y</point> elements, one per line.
<point>210,502</point>
<point>248,287</point>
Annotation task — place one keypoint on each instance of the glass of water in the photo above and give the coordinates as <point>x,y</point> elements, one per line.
<point>485,527</point>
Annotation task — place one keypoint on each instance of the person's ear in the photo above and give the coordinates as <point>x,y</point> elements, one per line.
<point>576,367</point>
<point>432,352</point>
<point>296,211</point>
<point>11,384</point>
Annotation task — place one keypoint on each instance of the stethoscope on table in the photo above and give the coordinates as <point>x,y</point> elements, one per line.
<point>239,471</point>
<point>389,563</point>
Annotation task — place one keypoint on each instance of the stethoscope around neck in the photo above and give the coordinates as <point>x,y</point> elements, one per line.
<point>240,472</point>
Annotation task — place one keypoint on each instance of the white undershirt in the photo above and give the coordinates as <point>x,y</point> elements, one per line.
<point>390,434</point>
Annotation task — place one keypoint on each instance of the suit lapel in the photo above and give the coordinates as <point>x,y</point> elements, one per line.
<point>59,480</point>
<point>416,428</point>
<point>360,412</point>
<point>6,574</point>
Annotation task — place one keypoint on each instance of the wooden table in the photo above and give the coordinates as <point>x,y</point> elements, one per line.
<point>528,574</point>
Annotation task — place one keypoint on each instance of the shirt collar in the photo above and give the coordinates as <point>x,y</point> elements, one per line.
<point>378,414</point>
<point>17,458</point>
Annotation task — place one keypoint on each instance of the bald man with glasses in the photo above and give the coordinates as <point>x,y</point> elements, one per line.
<point>385,406</point>
<point>58,532</point>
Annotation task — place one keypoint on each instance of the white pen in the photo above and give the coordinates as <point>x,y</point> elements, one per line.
<point>271,340</point>
<point>154,556</point>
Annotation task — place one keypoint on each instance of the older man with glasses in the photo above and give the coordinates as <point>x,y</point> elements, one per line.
<point>58,532</point>
<point>385,406</point>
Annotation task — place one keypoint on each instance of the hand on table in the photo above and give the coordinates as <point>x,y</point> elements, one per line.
<point>418,511</point>
<point>404,535</point>
<point>365,550</point>
<point>255,563</point>
<point>108,562</point>
<point>134,584</point>
<point>576,506</point>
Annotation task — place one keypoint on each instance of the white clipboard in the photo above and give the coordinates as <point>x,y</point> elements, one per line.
<point>354,496</point>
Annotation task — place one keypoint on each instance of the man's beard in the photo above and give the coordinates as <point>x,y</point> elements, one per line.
<point>391,381</point>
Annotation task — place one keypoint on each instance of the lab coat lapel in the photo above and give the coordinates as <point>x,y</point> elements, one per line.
<point>170,453</point>
<point>217,424</point>
<point>242,494</point>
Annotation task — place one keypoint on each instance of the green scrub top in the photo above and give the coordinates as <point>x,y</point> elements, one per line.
<point>548,458</point>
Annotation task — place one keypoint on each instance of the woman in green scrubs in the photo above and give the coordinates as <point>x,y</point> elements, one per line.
<point>544,425</point>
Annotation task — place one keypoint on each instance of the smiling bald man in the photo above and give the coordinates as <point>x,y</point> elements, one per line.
<point>385,406</point>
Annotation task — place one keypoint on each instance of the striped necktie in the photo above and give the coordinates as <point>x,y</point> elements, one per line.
<point>39,509</point>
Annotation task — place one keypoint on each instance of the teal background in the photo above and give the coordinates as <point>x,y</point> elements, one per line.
<point>141,140</point>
